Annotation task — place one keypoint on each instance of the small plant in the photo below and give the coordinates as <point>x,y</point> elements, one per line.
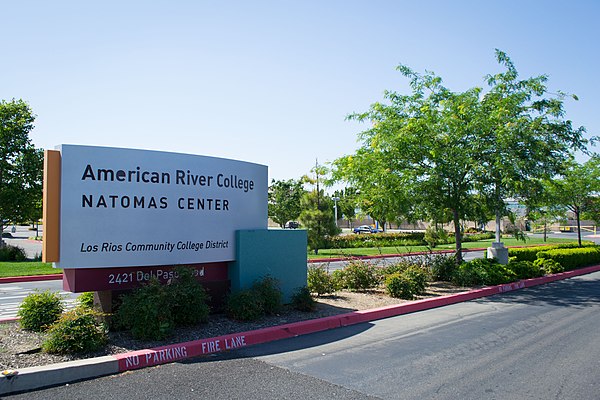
<point>359,275</point>
<point>80,330</point>
<point>482,271</point>
<point>434,236</point>
<point>147,312</point>
<point>441,267</point>
<point>86,299</point>
<point>39,310</point>
<point>549,266</point>
<point>244,305</point>
<point>418,278</point>
<point>189,300</point>
<point>267,290</point>
<point>12,253</point>
<point>399,286</point>
<point>319,281</point>
<point>302,300</point>
<point>525,269</point>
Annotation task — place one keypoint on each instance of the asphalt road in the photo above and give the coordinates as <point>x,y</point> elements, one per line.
<point>13,294</point>
<point>537,343</point>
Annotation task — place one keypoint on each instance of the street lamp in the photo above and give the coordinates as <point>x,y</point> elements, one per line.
<point>335,200</point>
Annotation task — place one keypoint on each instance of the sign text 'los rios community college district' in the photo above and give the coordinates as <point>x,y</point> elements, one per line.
<point>127,207</point>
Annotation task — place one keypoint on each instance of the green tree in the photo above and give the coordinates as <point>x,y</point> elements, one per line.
<point>419,156</point>
<point>523,136</point>
<point>347,203</point>
<point>317,217</point>
<point>21,165</point>
<point>317,210</point>
<point>284,200</point>
<point>577,189</point>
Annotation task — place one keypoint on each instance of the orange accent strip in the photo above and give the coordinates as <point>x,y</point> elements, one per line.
<point>51,211</point>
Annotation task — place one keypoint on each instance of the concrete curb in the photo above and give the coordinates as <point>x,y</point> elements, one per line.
<point>61,373</point>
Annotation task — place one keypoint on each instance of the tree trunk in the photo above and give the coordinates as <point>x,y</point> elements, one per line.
<point>545,227</point>
<point>457,236</point>
<point>577,212</point>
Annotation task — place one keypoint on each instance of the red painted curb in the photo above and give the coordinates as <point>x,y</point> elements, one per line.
<point>31,278</point>
<point>180,351</point>
<point>8,320</point>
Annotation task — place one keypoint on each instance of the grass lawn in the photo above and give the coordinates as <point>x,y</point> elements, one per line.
<point>11,268</point>
<point>373,251</point>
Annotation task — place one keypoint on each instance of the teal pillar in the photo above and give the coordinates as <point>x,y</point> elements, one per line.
<point>280,254</point>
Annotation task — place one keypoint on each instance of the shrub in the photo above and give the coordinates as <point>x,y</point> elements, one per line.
<point>319,281</point>
<point>573,258</point>
<point>86,299</point>
<point>549,266</point>
<point>302,300</point>
<point>39,310</point>
<point>399,286</point>
<point>338,279</point>
<point>77,331</point>
<point>525,269</point>
<point>397,267</point>
<point>360,275</point>
<point>418,278</point>
<point>188,299</point>
<point>12,253</point>
<point>434,236</point>
<point>441,267</point>
<point>244,305</point>
<point>376,240</point>
<point>482,271</point>
<point>267,290</point>
<point>147,312</point>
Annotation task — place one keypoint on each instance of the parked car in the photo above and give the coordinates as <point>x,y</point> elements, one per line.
<point>291,225</point>
<point>366,229</point>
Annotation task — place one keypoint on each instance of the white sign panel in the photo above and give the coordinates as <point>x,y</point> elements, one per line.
<point>126,207</point>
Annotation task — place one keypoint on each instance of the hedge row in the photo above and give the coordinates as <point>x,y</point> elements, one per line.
<point>573,258</point>
<point>530,253</point>
<point>393,239</point>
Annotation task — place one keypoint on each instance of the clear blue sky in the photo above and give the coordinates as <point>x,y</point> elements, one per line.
<point>270,82</point>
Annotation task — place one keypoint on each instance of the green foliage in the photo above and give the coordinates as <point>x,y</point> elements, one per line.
<point>317,217</point>
<point>12,253</point>
<point>549,266</point>
<point>476,237</point>
<point>86,299</point>
<point>147,312</point>
<point>418,277</point>
<point>531,253</point>
<point>525,269</point>
<point>40,310</point>
<point>482,271</point>
<point>244,305</point>
<point>80,330</point>
<point>189,300</point>
<point>375,240</point>
<point>21,164</point>
<point>360,275</point>
<point>319,281</point>
<point>284,200</point>
<point>441,267</point>
<point>267,290</point>
<point>400,286</point>
<point>153,310</point>
<point>302,300</point>
<point>573,258</point>
<point>434,236</point>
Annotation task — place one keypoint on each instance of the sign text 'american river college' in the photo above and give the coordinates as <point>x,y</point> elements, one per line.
<point>126,207</point>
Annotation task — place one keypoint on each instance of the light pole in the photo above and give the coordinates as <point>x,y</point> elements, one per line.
<point>335,200</point>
